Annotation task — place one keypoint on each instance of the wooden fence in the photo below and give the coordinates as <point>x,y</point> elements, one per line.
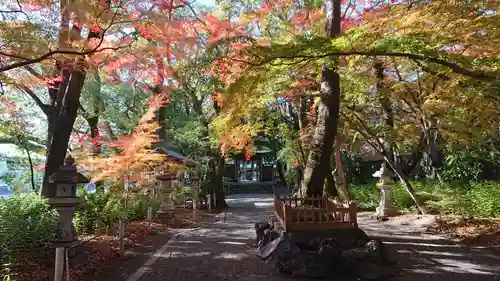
<point>314,213</point>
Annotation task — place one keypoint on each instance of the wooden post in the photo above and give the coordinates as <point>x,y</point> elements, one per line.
<point>285,217</point>
<point>59,264</point>
<point>67,263</point>
<point>121,236</point>
<point>353,214</point>
<point>150,218</point>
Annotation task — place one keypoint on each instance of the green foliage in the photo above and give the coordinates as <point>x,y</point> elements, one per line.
<point>467,165</point>
<point>26,225</point>
<point>101,210</point>
<point>474,199</point>
<point>366,195</point>
<point>179,194</point>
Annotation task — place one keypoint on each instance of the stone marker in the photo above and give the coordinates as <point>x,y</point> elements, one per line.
<point>386,207</point>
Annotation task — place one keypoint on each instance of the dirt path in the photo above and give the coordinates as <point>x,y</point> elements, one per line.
<point>225,250</point>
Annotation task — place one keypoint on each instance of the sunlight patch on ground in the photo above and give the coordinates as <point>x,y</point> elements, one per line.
<point>466,267</point>
<point>423,271</point>
<point>231,256</point>
<point>190,242</point>
<point>264,205</point>
<point>184,254</point>
<point>439,253</point>
<point>420,244</point>
<point>232,243</point>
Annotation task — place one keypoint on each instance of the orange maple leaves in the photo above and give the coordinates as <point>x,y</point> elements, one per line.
<point>135,153</point>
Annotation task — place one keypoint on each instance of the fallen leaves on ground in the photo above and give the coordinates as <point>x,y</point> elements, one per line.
<point>91,257</point>
<point>96,253</point>
<point>473,232</point>
<point>186,218</point>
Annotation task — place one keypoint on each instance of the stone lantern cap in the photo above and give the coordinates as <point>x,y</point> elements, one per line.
<point>65,175</point>
<point>68,173</point>
<point>382,172</point>
<point>378,173</point>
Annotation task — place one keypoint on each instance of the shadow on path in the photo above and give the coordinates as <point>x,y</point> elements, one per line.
<point>225,251</point>
<point>421,255</point>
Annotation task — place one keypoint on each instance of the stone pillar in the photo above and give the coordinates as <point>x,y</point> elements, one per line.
<point>65,200</point>
<point>385,184</point>
<point>195,186</point>
<point>165,212</point>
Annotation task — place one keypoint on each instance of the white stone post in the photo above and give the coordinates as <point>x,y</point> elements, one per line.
<point>385,184</point>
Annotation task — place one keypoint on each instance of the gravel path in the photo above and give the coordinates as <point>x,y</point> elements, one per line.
<point>225,250</point>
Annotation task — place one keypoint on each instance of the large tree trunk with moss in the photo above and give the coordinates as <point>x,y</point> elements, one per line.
<point>216,182</point>
<point>339,170</point>
<point>330,187</point>
<point>328,113</point>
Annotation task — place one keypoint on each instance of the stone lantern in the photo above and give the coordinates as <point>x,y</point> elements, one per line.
<point>65,200</point>
<point>165,213</point>
<point>386,207</point>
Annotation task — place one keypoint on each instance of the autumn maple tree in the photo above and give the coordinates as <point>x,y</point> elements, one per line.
<point>407,44</point>
<point>132,42</point>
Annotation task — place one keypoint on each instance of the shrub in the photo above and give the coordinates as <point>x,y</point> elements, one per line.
<point>137,209</point>
<point>27,224</point>
<point>484,198</point>
<point>179,194</point>
<point>366,195</point>
<point>100,210</point>
<point>467,199</point>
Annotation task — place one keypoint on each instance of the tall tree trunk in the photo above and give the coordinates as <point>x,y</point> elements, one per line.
<point>220,202</point>
<point>330,187</point>
<point>298,179</point>
<point>65,100</point>
<point>216,164</point>
<point>339,170</point>
<point>281,173</point>
<point>64,126</point>
<point>328,113</point>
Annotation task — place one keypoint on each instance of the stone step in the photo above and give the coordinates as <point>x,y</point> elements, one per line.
<point>251,188</point>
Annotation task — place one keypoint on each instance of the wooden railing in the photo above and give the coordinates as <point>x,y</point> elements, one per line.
<point>314,213</point>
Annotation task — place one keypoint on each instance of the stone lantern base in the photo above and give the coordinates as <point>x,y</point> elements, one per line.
<point>385,212</point>
<point>385,208</point>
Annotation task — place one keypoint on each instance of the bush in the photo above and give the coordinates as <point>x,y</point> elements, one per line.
<point>100,210</point>
<point>469,199</point>
<point>27,224</point>
<point>367,196</point>
<point>179,194</point>
<point>137,208</point>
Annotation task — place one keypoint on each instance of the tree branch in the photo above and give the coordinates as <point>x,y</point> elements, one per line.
<point>33,96</point>
<point>453,66</point>
<point>53,53</point>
